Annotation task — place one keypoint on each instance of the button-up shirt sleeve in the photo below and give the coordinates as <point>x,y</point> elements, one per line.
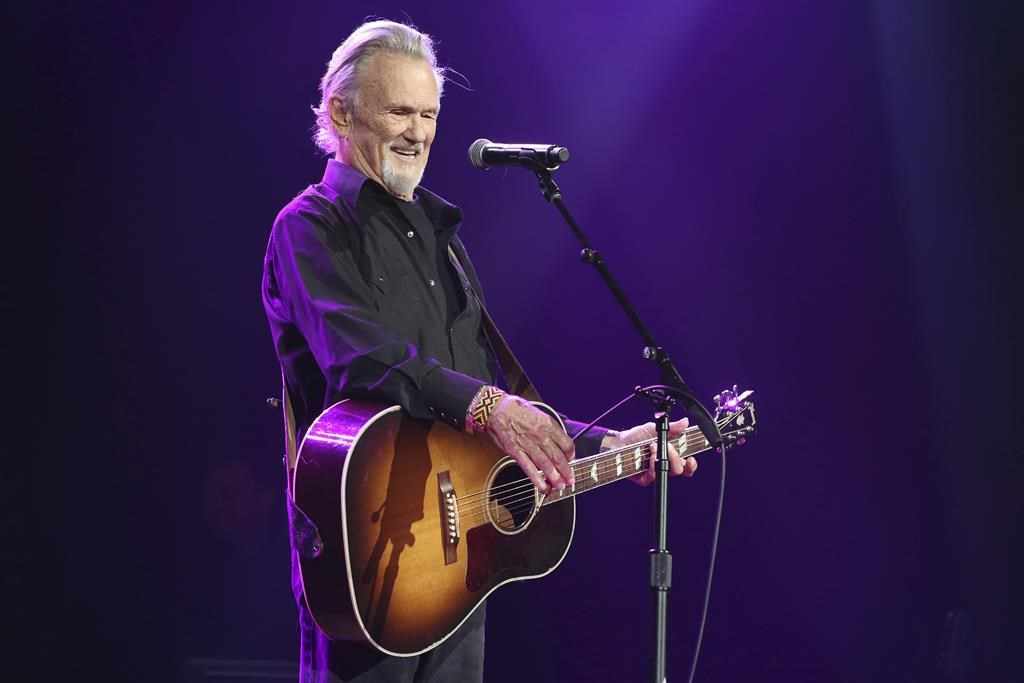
<point>313,282</point>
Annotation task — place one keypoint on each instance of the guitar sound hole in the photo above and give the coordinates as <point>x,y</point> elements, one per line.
<point>511,499</point>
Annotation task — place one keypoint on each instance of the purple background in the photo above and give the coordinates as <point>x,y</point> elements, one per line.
<point>812,199</point>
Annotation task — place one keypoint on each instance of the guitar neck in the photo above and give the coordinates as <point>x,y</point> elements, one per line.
<point>621,463</point>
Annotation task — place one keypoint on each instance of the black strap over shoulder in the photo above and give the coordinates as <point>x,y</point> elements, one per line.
<point>518,381</point>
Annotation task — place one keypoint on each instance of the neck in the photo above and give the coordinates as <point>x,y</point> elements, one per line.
<point>345,156</point>
<point>621,463</point>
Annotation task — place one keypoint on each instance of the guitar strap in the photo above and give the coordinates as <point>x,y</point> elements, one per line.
<point>518,381</point>
<point>291,452</point>
<point>306,537</point>
<point>515,375</point>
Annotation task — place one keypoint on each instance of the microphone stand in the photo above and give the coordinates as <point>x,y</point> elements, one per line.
<point>662,398</point>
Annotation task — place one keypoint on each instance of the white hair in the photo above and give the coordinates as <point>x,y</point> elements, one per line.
<point>348,62</point>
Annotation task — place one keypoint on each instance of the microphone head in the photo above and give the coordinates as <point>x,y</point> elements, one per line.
<point>476,153</point>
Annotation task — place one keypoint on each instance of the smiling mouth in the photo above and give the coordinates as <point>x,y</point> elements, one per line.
<point>407,153</point>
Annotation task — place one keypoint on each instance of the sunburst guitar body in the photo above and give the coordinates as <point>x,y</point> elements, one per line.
<point>416,523</point>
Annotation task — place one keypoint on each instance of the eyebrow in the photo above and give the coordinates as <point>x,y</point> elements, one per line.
<point>429,110</point>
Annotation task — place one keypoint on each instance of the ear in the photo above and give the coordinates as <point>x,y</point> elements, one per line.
<point>341,120</point>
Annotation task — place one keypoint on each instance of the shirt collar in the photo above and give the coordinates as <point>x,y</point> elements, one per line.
<point>350,185</point>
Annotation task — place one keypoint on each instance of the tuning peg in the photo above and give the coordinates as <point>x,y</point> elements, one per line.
<point>726,400</point>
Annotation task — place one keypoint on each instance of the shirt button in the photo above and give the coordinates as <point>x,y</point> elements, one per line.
<point>431,283</point>
<point>410,234</point>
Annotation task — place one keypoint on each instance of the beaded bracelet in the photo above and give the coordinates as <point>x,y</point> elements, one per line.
<point>481,407</point>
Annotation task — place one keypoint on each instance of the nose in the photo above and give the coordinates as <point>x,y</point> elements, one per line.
<point>416,131</point>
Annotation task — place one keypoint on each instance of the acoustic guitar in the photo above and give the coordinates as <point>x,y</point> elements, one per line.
<point>416,523</point>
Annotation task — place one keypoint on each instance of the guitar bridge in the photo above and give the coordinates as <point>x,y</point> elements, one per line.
<point>450,531</point>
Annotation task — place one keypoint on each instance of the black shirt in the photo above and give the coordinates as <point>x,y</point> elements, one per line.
<point>354,289</point>
<point>357,308</point>
<point>437,243</point>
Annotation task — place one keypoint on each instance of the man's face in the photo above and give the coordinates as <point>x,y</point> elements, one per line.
<point>392,123</point>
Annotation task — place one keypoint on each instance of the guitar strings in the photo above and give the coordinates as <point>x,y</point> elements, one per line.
<point>479,517</point>
<point>523,499</point>
<point>521,495</point>
<point>605,463</point>
<point>586,474</point>
<point>586,463</point>
<point>604,460</point>
<point>525,494</point>
<point>518,505</point>
<point>524,489</point>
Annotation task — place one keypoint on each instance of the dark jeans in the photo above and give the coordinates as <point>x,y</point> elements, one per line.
<point>460,659</point>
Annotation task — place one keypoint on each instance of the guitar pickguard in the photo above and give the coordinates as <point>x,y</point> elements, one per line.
<point>495,557</point>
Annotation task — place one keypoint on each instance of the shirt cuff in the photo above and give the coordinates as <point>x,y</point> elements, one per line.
<point>449,394</point>
<point>589,443</point>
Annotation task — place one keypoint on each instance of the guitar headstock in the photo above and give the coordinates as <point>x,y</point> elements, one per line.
<point>735,415</point>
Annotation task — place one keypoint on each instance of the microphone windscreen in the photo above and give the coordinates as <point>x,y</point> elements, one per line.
<point>476,153</point>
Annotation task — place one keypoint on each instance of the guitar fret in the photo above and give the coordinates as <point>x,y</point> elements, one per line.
<point>617,464</point>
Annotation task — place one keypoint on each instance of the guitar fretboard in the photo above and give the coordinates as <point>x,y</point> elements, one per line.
<point>611,466</point>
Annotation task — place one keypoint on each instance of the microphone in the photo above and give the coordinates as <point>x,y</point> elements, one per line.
<point>483,154</point>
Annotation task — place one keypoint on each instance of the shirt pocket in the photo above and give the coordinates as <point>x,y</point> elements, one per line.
<point>396,297</point>
<point>391,278</point>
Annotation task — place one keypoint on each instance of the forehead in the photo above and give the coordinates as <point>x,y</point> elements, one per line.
<point>390,79</point>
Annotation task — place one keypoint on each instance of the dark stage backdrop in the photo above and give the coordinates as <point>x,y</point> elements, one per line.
<point>816,200</point>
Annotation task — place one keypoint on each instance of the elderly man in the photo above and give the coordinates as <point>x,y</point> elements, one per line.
<point>371,295</point>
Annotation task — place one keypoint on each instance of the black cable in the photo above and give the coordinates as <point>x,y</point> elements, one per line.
<point>718,515</point>
<point>692,403</point>
<point>711,570</point>
<point>593,423</point>
<point>652,352</point>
